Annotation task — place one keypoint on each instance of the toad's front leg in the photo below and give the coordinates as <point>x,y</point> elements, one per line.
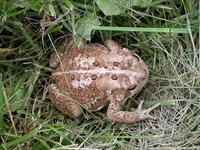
<point>114,113</point>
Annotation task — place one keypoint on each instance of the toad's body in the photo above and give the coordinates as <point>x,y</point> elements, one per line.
<point>91,76</point>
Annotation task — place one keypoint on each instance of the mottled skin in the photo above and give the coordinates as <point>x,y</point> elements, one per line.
<point>93,75</point>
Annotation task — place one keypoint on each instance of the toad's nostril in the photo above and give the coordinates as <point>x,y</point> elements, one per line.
<point>127,82</point>
<point>132,87</point>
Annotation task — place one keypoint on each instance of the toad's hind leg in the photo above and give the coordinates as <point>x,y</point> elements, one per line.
<point>64,103</point>
<point>114,113</point>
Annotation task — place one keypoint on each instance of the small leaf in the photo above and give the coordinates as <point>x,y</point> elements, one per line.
<point>54,28</point>
<point>115,7</point>
<point>85,25</point>
<point>108,7</point>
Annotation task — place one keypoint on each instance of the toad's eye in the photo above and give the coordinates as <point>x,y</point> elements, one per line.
<point>132,87</point>
<point>136,56</point>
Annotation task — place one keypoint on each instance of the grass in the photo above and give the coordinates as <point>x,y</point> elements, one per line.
<point>135,29</point>
<point>166,36</point>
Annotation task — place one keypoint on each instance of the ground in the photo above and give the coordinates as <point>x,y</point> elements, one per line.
<point>167,39</point>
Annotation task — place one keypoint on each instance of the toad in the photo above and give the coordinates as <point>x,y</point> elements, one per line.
<point>94,75</point>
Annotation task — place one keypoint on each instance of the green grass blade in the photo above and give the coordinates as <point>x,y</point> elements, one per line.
<point>20,139</point>
<point>138,29</point>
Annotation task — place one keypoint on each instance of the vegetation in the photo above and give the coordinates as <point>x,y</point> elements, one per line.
<point>166,35</point>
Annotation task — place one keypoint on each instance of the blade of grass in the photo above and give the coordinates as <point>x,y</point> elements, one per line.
<point>20,139</point>
<point>8,107</point>
<point>138,29</point>
<point>27,35</point>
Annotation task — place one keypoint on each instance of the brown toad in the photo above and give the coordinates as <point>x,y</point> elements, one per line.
<point>93,75</point>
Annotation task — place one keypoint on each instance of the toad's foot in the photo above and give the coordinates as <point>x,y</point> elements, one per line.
<point>143,114</point>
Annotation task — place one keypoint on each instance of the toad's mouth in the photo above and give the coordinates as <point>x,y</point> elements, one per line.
<point>133,87</point>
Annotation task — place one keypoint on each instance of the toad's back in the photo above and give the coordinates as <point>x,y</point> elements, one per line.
<point>91,74</point>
